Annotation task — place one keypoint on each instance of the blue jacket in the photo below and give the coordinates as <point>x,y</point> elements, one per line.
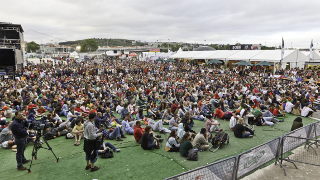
<point>125,126</point>
<point>98,121</point>
<point>138,116</point>
<point>19,128</point>
<point>123,112</point>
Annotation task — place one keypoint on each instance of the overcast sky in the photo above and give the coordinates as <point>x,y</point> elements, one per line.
<point>193,21</point>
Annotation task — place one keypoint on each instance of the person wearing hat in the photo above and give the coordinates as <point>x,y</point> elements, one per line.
<point>201,140</point>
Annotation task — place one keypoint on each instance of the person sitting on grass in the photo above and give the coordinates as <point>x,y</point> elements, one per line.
<point>240,131</point>
<point>104,147</point>
<point>77,131</point>
<point>201,140</point>
<point>297,123</point>
<point>138,131</point>
<point>221,114</point>
<point>307,111</point>
<point>140,115</point>
<point>157,126</point>
<point>180,132</point>
<point>261,122</point>
<point>116,133</point>
<point>233,120</point>
<point>173,123</point>
<point>172,144</point>
<point>185,144</point>
<point>41,111</point>
<point>6,138</point>
<point>147,140</point>
<point>277,112</point>
<point>125,124</point>
<point>212,124</point>
<point>111,117</point>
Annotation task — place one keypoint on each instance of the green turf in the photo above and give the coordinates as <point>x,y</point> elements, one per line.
<point>132,162</point>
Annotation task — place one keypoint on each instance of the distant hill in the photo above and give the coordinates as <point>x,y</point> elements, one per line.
<point>105,42</point>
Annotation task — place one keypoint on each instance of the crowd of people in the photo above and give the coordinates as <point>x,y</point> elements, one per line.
<point>92,95</point>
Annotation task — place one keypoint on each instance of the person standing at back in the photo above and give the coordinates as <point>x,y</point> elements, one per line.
<point>19,131</point>
<point>90,134</point>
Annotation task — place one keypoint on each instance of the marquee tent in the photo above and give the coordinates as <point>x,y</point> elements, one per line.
<point>222,54</point>
<point>204,54</point>
<point>315,53</point>
<point>244,55</point>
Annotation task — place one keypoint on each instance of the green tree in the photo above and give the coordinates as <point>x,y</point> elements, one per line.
<point>32,47</point>
<point>88,45</point>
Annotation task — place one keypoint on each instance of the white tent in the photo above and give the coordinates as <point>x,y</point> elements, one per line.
<point>315,53</point>
<point>223,54</point>
<point>204,54</point>
<point>244,55</point>
<point>73,54</point>
<point>179,54</point>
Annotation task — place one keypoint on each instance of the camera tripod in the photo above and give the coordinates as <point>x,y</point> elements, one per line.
<point>37,145</point>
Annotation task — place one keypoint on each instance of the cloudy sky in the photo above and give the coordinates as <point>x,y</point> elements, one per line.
<point>193,21</point>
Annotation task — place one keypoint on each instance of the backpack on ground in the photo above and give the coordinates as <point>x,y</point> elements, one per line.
<point>219,139</point>
<point>107,154</point>
<point>192,155</point>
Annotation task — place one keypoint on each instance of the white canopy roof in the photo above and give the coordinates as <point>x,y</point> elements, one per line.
<point>244,55</point>
<point>223,54</point>
<point>315,53</point>
<point>179,54</point>
<point>190,54</point>
<point>204,54</point>
<point>248,55</point>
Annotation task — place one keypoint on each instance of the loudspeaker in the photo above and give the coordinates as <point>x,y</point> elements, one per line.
<point>115,51</point>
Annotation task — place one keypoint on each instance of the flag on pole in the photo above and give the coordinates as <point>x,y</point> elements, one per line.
<point>311,46</point>
<point>282,49</point>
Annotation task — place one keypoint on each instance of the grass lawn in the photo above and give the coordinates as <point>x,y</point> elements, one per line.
<point>132,162</point>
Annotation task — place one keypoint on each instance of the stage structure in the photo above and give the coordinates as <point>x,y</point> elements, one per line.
<point>12,49</point>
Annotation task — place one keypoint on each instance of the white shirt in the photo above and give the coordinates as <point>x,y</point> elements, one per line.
<point>305,111</point>
<point>242,111</point>
<point>289,107</point>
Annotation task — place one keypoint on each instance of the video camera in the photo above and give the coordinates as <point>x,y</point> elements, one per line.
<point>41,124</point>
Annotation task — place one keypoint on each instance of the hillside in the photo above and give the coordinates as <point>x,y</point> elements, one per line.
<point>105,42</point>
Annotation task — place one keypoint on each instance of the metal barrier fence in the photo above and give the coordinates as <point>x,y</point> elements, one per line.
<point>220,170</point>
<point>257,157</point>
<point>278,149</point>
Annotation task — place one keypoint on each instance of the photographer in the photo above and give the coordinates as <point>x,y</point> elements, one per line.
<point>90,136</point>
<point>19,131</point>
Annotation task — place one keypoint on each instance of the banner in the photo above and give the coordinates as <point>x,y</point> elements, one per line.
<point>221,170</point>
<point>311,46</point>
<point>256,157</point>
<point>282,49</point>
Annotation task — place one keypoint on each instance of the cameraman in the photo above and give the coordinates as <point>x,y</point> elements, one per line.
<point>19,131</point>
<point>90,134</point>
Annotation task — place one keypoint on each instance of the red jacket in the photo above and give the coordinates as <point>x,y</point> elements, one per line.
<point>220,113</point>
<point>174,107</point>
<point>137,133</point>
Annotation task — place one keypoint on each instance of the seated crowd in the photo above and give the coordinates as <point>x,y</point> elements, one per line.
<point>146,97</point>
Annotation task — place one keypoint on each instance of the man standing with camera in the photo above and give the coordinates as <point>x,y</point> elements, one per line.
<point>19,131</point>
<point>90,134</point>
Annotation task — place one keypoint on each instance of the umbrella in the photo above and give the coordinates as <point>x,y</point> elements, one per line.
<point>264,63</point>
<point>170,60</point>
<point>243,63</point>
<point>214,62</point>
<point>159,59</point>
